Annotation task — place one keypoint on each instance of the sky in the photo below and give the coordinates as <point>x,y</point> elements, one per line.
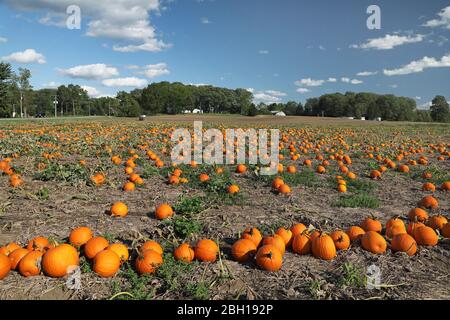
<point>280,50</point>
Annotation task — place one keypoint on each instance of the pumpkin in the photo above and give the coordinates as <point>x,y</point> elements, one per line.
<point>60,260</point>
<point>252,234</point>
<point>323,247</point>
<point>276,241</point>
<point>425,236</point>
<point>39,244</point>
<point>233,189</point>
<point>371,224</point>
<point>429,202</point>
<point>152,245</point>
<point>342,188</point>
<point>243,250</point>
<point>206,250</point>
<point>321,169</point>
<point>129,186</point>
<point>148,261</point>
<point>98,179</point>
<point>269,258</point>
<point>277,182</point>
<point>119,209</point>
<point>428,186</point>
<point>291,169</point>
<point>80,236</point>
<point>297,229</point>
<point>106,263</point>
<point>241,168</point>
<point>163,211</point>
<point>446,230</point>
<point>30,265</point>
<point>395,221</point>
<point>355,233</point>
<point>94,246</point>
<point>121,250</point>
<point>373,242</point>
<point>375,174</point>
<point>412,226</point>
<point>16,256</point>
<point>301,243</point>
<point>404,243</point>
<point>445,186</point>
<point>184,253</point>
<point>437,222</point>
<point>10,247</point>
<point>418,214</point>
<point>394,230</point>
<point>341,239</point>
<point>284,189</point>
<point>203,177</point>
<point>286,235</point>
<point>5,266</point>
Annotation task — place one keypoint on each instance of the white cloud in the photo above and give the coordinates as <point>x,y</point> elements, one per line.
<point>127,21</point>
<point>125,82</point>
<point>25,57</point>
<point>302,90</point>
<point>251,90</point>
<point>442,21</point>
<point>388,42</point>
<point>3,40</point>
<point>425,106</point>
<point>90,71</point>
<point>394,86</point>
<point>322,48</point>
<point>366,73</point>
<point>276,93</point>
<point>332,80</point>
<point>351,81</point>
<point>419,66</point>
<point>308,82</point>
<point>205,20</point>
<point>418,98</point>
<point>266,98</point>
<point>263,51</point>
<point>92,92</point>
<point>155,70</point>
<point>50,85</point>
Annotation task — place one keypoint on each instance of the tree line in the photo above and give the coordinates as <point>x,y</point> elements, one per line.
<point>18,98</point>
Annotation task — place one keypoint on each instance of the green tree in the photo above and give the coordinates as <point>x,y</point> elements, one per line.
<point>128,106</point>
<point>440,111</point>
<point>5,82</point>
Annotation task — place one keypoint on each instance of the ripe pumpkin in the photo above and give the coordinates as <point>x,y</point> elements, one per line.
<point>412,226</point>
<point>121,250</point>
<point>233,189</point>
<point>80,236</point>
<point>30,265</point>
<point>94,246</point>
<point>163,211</point>
<point>298,229</point>
<point>10,247</point>
<point>60,260</point>
<point>39,243</point>
<point>277,182</point>
<point>203,177</point>
<point>341,239</point>
<point>269,258</point>
<point>394,230</point>
<point>276,241</point>
<point>206,250</point>
<point>301,243</point>
<point>241,168</point>
<point>152,245</point>
<point>243,250</point>
<point>437,222</point>
<point>418,214</point>
<point>373,242</point>
<point>395,221</point>
<point>5,266</point>
<point>252,234</point>
<point>404,243</point>
<point>371,224</point>
<point>323,247</point>
<point>429,202</point>
<point>428,186</point>
<point>106,263</point>
<point>355,233</point>
<point>284,189</point>
<point>286,235</point>
<point>148,262</point>
<point>425,236</point>
<point>16,256</point>
<point>445,186</point>
<point>184,253</point>
<point>129,186</point>
<point>119,209</point>
<point>98,179</point>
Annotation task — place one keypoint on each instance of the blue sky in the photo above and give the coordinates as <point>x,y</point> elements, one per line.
<point>279,49</point>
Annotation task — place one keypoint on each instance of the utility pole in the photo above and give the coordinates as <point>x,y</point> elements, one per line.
<point>55,103</point>
<point>21,104</point>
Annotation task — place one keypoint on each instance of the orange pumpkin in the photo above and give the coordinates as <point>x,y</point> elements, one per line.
<point>269,258</point>
<point>301,243</point>
<point>252,234</point>
<point>404,243</point>
<point>163,211</point>
<point>106,263</point>
<point>119,209</point>
<point>5,266</point>
<point>243,250</point>
<point>276,241</point>
<point>355,233</point>
<point>429,202</point>
<point>152,245</point>
<point>16,256</point>
<point>94,246</point>
<point>323,247</point>
<point>10,247</point>
<point>30,265</point>
<point>184,253</point>
<point>425,236</point>
<point>121,250</point>
<point>371,224</point>
<point>148,262</point>
<point>206,250</point>
<point>418,214</point>
<point>341,239</point>
<point>79,236</point>
<point>286,235</point>
<point>60,260</point>
<point>373,242</point>
<point>437,222</point>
